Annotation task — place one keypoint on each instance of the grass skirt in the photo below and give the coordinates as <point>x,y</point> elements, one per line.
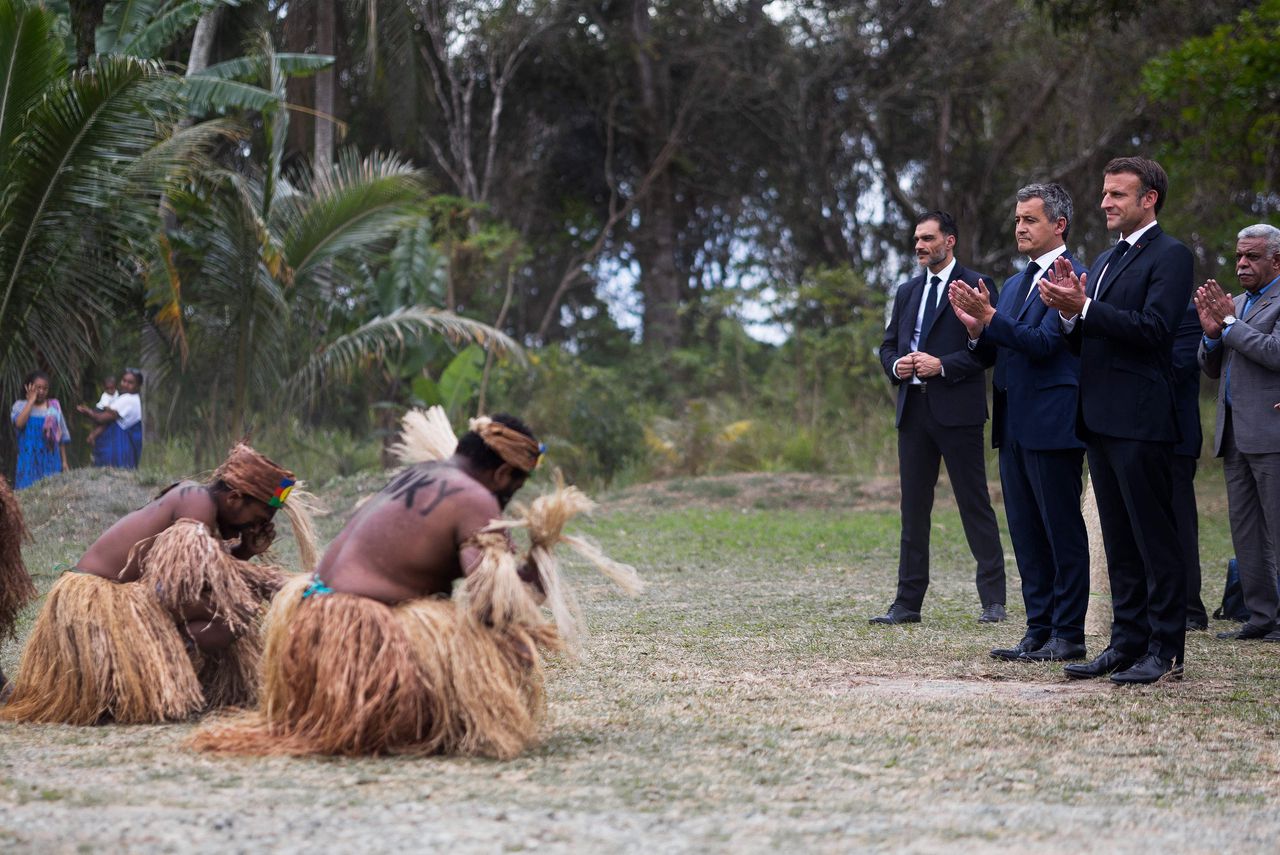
<point>103,649</point>
<point>348,675</point>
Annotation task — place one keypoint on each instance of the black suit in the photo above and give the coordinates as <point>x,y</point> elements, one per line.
<point>941,420</point>
<point>1186,380</point>
<point>1127,419</point>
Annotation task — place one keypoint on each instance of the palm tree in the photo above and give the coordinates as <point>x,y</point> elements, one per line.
<point>84,158</point>
<point>277,254</point>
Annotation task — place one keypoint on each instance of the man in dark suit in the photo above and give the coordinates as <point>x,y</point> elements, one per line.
<point>1186,454</point>
<point>1036,385</point>
<point>942,406</point>
<point>1122,324</point>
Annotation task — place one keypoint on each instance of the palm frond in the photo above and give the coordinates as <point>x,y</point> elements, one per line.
<point>254,66</point>
<point>388,336</point>
<point>144,28</point>
<point>359,202</point>
<point>75,145</point>
<point>204,93</point>
<point>30,61</point>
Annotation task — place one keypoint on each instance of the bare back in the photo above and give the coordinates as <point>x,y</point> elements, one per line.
<point>409,540</point>
<point>109,554</point>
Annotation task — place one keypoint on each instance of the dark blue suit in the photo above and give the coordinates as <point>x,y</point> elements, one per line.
<point>1128,420</point>
<point>941,420</point>
<point>1036,389</point>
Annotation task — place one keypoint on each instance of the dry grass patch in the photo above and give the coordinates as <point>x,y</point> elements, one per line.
<point>742,704</point>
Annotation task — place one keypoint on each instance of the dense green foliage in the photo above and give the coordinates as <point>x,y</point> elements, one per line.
<point>631,192</point>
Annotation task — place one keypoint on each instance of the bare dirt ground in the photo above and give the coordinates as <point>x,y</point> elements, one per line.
<point>741,704</point>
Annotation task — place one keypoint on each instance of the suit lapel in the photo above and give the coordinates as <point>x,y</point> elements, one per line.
<point>1115,270</point>
<point>1258,306</point>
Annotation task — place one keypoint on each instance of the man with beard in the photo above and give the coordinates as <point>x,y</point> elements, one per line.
<point>942,406</point>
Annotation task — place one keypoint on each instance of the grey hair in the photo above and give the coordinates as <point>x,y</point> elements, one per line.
<point>1266,232</point>
<point>1056,199</point>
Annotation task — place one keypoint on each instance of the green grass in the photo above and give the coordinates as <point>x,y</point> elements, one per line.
<point>742,703</point>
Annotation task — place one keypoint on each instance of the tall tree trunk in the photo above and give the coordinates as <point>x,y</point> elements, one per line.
<point>658,267</point>
<point>656,242</point>
<point>326,24</point>
<point>86,15</point>
<point>202,41</point>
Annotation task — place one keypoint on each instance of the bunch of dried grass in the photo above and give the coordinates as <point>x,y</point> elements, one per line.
<point>103,650</point>
<point>545,519</point>
<point>347,675</point>
<point>425,436</point>
<point>16,587</point>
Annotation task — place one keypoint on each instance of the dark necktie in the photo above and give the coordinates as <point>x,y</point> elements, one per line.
<point>1029,285</point>
<point>930,308</point>
<point>1122,246</point>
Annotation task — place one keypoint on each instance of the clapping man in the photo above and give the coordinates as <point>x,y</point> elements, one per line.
<point>1122,323</point>
<point>1036,384</point>
<point>1241,346</point>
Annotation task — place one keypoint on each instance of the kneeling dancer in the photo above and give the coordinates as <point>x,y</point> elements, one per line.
<point>16,587</point>
<point>159,620</point>
<point>372,655</point>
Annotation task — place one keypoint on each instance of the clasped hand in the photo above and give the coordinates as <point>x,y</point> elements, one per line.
<point>920,364</point>
<point>257,539</point>
<point>1213,305</point>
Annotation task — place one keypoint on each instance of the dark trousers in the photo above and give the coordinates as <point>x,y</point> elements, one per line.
<point>922,445</point>
<point>1133,482</point>
<point>1042,502</point>
<point>1253,506</point>
<point>1188,518</point>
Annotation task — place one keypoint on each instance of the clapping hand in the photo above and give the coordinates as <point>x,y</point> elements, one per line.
<point>972,306</point>
<point>1061,289</point>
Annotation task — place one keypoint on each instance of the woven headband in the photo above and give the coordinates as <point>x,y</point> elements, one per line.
<point>515,448</point>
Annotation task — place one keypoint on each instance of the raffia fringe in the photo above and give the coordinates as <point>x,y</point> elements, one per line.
<point>545,519</point>
<point>16,587</point>
<point>185,564</point>
<point>103,649</point>
<point>348,675</point>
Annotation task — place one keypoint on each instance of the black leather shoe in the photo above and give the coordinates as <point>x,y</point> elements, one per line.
<point>1273,635</point>
<point>1197,626</point>
<point>993,613</point>
<point>1056,650</point>
<point>897,614</point>
<point>1023,647</point>
<point>1247,632</point>
<point>1149,669</point>
<point>1108,660</point>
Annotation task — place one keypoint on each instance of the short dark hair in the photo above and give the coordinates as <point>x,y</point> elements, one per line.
<point>137,375</point>
<point>1054,197</point>
<point>946,222</point>
<point>1151,175</point>
<point>472,447</point>
<point>36,375</point>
